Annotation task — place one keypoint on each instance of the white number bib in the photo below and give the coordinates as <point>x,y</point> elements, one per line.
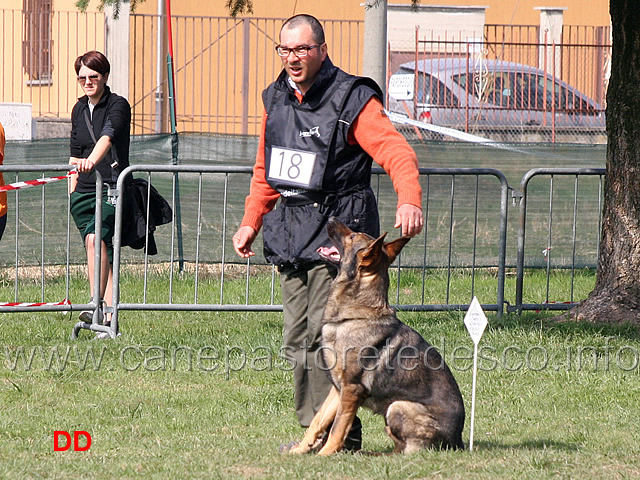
<point>291,166</point>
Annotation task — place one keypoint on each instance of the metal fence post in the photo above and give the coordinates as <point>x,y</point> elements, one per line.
<point>174,160</point>
<point>96,324</point>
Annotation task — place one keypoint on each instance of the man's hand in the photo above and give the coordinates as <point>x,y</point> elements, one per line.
<point>409,217</point>
<point>242,241</point>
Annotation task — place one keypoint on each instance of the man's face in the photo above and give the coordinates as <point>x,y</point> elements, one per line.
<point>302,70</point>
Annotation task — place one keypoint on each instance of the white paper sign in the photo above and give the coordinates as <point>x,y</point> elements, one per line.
<point>475,320</point>
<point>17,121</point>
<point>294,166</point>
<point>401,86</point>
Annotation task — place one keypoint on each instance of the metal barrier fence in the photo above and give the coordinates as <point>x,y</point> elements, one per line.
<point>52,226</point>
<point>413,257</point>
<point>580,224</point>
<point>465,234</point>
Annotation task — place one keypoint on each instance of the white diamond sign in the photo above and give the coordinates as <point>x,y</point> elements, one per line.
<point>475,320</point>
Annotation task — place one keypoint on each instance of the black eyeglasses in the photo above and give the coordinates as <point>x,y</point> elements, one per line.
<point>300,51</point>
<point>83,79</point>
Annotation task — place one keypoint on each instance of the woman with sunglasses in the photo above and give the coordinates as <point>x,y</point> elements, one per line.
<point>100,137</point>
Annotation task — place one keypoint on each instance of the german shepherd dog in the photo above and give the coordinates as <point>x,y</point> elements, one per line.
<point>375,360</point>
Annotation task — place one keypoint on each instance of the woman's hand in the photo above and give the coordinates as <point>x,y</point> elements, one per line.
<point>85,165</point>
<point>73,179</point>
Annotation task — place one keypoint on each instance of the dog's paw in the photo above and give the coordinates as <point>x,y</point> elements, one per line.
<point>300,448</point>
<point>328,450</point>
<point>295,448</point>
<point>288,447</point>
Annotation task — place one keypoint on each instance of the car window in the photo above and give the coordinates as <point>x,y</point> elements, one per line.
<point>495,88</point>
<point>498,89</point>
<point>531,92</point>
<point>434,93</point>
<point>549,94</point>
<point>525,91</point>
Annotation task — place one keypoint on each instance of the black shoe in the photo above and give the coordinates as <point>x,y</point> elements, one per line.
<point>353,443</point>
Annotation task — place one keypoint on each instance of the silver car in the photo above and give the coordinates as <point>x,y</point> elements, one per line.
<point>455,92</point>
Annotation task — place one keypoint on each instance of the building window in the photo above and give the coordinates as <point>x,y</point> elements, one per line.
<point>37,43</point>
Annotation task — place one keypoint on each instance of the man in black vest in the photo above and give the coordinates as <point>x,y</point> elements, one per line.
<point>322,128</point>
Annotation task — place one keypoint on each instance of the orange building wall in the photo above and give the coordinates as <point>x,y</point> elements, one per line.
<point>516,12</point>
<point>329,10</point>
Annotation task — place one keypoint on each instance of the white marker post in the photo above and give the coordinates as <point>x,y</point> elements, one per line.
<point>475,321</point>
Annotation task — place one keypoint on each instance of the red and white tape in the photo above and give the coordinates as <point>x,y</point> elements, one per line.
<point>37,304</point>
<point>33,183</point>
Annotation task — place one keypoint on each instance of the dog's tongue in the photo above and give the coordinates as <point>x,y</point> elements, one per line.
<point>329,252</point>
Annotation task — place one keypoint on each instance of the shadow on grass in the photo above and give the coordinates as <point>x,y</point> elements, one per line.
<point>530,445</point>
<point>534,444</point>
<point>546,321</point>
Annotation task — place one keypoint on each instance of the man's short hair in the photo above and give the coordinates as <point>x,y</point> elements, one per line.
<point>304,19</point>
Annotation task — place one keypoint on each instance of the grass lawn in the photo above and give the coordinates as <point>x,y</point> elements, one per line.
<point>207,395</point>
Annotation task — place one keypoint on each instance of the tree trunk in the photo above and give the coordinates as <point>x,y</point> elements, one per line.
<point>616,296</point>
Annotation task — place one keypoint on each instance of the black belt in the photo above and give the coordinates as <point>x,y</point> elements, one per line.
<point>322,198</point>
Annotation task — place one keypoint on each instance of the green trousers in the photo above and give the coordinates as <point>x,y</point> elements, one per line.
<point>304,296</point>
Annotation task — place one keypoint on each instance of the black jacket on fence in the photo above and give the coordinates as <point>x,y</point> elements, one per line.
<point>134,224</point>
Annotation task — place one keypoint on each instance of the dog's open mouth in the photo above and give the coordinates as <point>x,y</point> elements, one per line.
<point>329,254</point>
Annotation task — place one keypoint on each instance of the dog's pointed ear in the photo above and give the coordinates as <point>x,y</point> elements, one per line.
<point>393,248</point>
<point>372,254</point>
